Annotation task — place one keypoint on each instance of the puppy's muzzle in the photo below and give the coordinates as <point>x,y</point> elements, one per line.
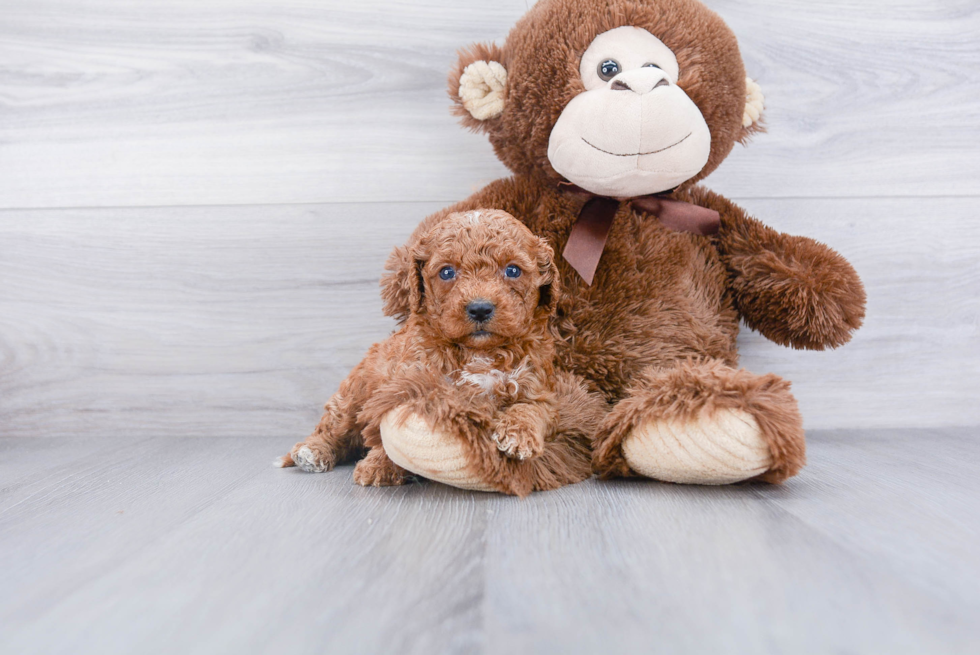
<point>480,311</point>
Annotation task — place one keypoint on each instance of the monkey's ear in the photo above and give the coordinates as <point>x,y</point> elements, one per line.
<point>752,116</point>
<point>478,86</point>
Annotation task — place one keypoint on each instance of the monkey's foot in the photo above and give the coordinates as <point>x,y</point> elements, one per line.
<point>724,447</point>
<point>414,445</point>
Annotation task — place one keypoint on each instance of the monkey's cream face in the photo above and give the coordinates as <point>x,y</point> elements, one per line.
<point>633,131</point>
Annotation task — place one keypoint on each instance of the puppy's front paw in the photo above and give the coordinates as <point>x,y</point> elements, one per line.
<point>313,459</point>
<point>517,441</point>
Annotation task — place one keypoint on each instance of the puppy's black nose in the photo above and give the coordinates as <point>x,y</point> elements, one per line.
<point>480,310</point>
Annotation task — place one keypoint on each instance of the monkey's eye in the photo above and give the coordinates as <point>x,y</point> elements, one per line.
<point>650,65</point>
<point>513,271</point>
<point>447,273</point>
<point>608,69</point>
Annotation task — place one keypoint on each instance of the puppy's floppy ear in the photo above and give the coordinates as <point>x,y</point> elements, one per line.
<point>420,255</point>
<point>478,86</point>
<point>398,283</point>
<point>417,296</point>
<point>402,288</point>
<point>550,286</point>
<point>402,285</point>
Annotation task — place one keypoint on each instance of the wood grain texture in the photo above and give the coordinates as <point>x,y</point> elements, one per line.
<point>241,321</point>
<point>175,102</point>
<point>198,546</point>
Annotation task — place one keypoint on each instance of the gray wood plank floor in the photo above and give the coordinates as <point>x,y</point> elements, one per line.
<point>199,546</point>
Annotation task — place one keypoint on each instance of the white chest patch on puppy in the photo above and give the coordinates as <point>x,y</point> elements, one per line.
<point>489,381</point>
<point>493,381</point>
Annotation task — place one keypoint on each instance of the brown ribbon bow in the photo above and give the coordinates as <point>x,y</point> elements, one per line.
<point>588,237</point>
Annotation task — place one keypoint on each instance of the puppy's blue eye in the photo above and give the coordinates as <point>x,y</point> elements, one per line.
<point>513,271</point>
<point>447,273</point>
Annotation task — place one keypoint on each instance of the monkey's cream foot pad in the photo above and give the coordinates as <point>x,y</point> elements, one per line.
<point>720,448</point>
<point>415,446</point>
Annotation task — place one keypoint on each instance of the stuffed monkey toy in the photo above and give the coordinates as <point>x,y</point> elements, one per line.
<point>609,113</point>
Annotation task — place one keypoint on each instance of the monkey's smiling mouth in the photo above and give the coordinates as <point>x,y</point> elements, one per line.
<point>481,333</point>
<point>638,154</point>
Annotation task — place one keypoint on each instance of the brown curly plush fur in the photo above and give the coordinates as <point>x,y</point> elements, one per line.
<point>492,385</point>
<point>656,331</point>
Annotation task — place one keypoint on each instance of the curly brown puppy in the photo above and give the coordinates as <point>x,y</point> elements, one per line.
<point>465,392</point>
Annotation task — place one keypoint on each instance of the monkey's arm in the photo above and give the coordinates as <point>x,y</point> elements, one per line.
<point>793,290</point>
<point>513,195</point>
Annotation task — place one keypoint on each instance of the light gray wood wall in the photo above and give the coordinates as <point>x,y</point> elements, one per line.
<point>196,199</point>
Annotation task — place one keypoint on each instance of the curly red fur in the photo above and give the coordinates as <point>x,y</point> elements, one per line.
<point>469,380</point>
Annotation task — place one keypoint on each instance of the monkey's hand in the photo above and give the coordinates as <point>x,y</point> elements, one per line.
<point>793,290</point>
<point>799,293</point>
